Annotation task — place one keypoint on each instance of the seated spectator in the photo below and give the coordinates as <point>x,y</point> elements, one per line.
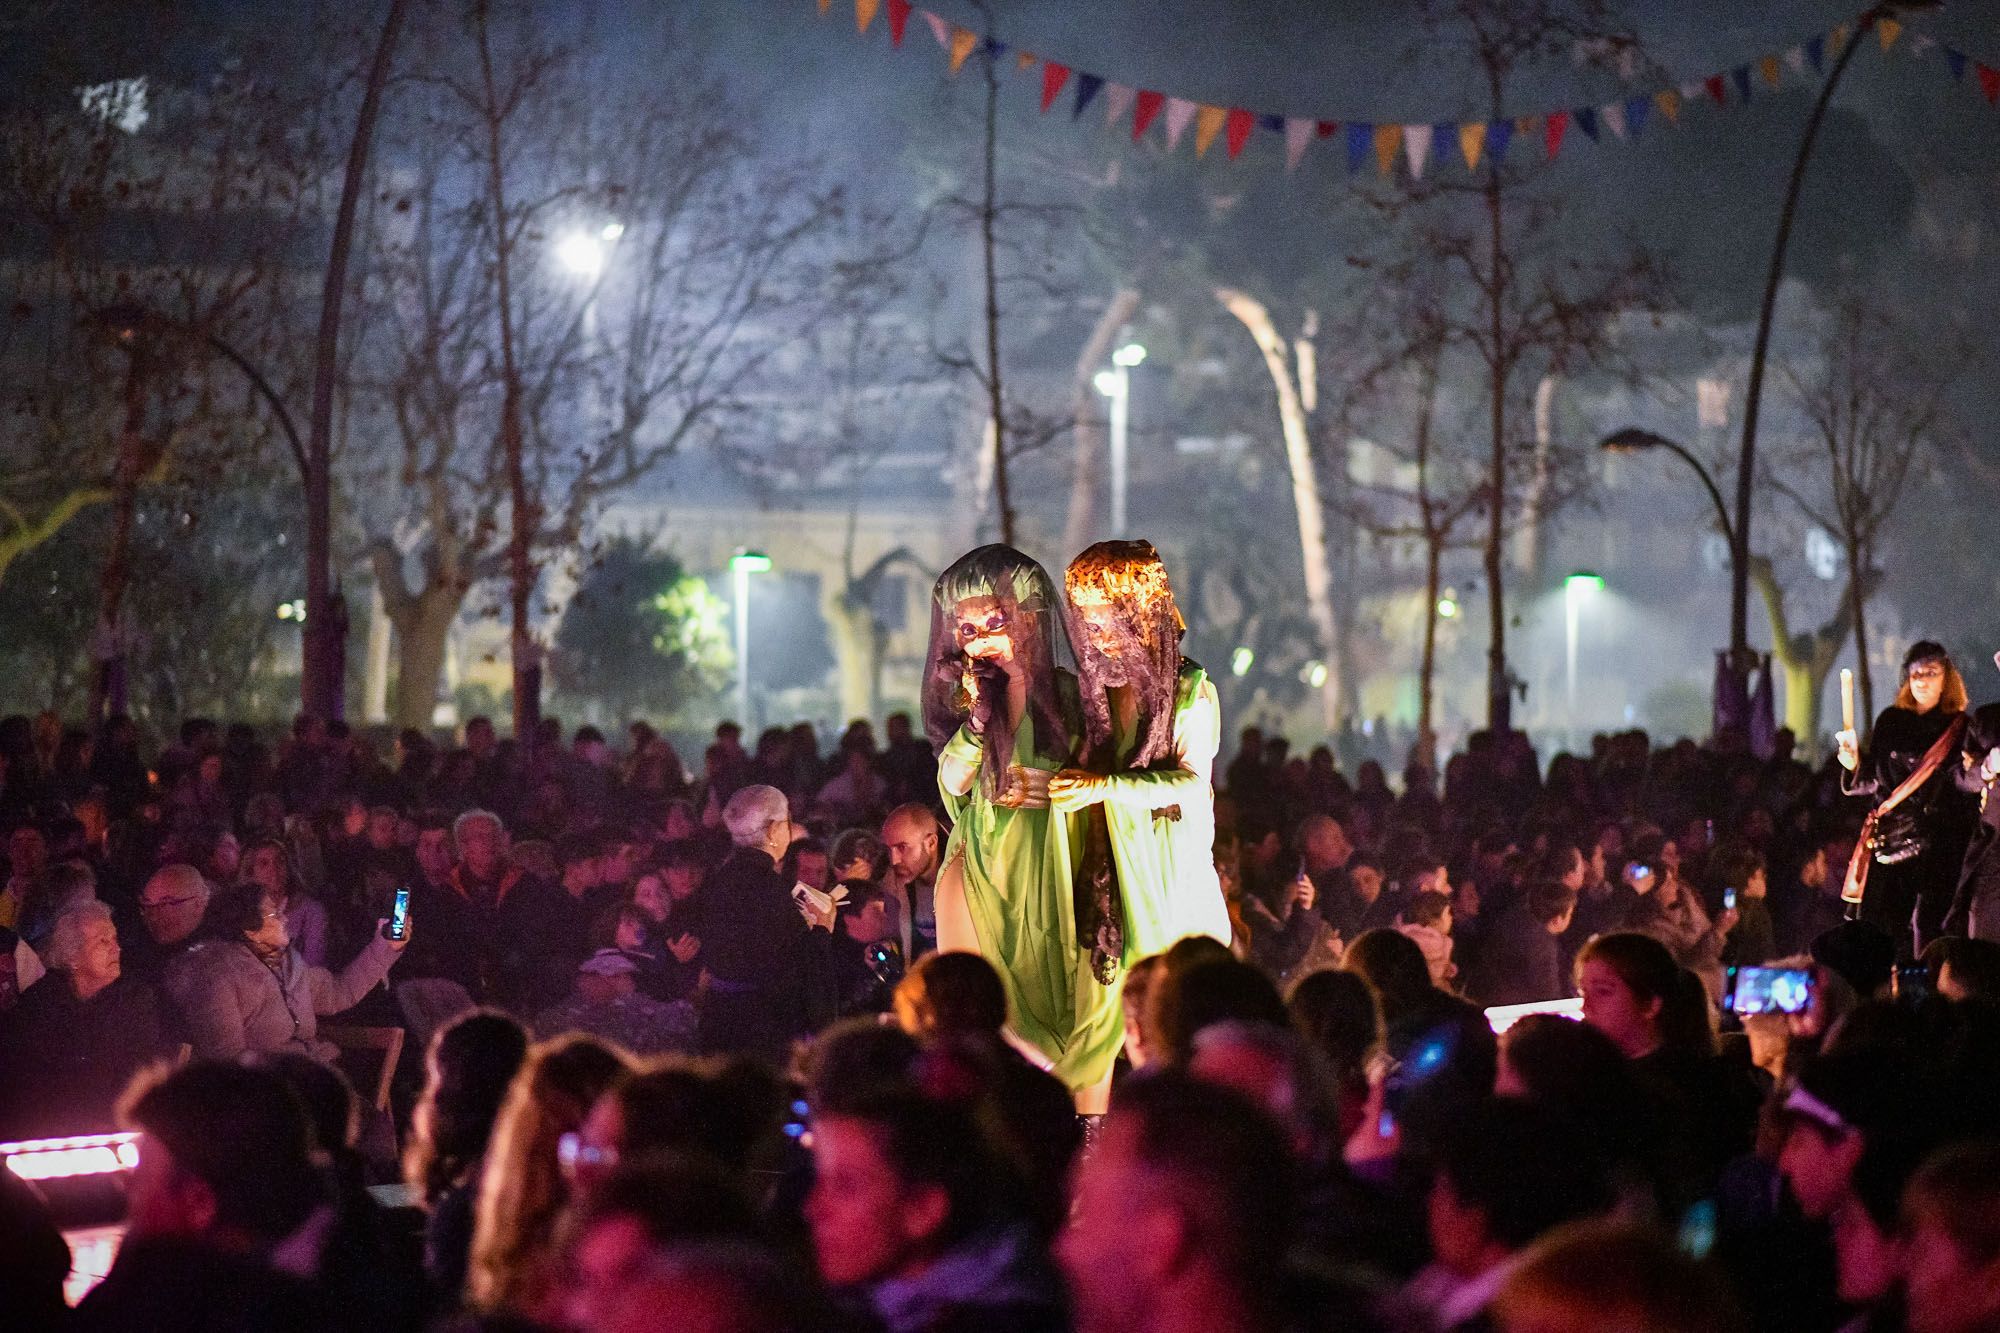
<point>639,1211</point>
<point>225,1177</point>
<point>1520,962</point>
<point>907,1219</point>
<point>1506,1174</point>
<point>522,1189</point>
<point>171,906</point>
<point>1951,1212</point>
<point>1596,1275</point>
<point>1427,920</point>
<point>867,955</point>
<point>1755,938</point>
<point>1183,1214</point>
<point>78,1035</point>
<point>859,854</point>
<point>60,886</point>
<point>1577,1072</point>
<point>605,1003</point>
<point>267,864</point>
<point>245,988</point>
<point>1214,990</point>
<point>467,1070</point>
<point>1338,1016</point>
<point>947,993</point>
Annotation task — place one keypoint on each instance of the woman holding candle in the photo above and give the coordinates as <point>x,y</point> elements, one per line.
<point>1905,869</point>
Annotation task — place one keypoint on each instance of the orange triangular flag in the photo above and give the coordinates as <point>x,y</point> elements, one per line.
<point>864,13</point>
<point>1208,122</point>
<point>1388,139</point>
<point>1025,61</point>
<point>1472,143</point>
<point>1888,30</point>
<point>963,42</point>
<point>1669,103</point>
<point>824,5</point>
<point>1768,67</point>
<point>1837,40</point>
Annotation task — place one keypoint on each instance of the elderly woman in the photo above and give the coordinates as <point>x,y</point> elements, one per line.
<point>245,987</point>
<point>78,1035</point>
<point>766,967</point>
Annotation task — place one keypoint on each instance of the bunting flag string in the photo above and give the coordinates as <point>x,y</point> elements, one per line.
<point>1413,146</point>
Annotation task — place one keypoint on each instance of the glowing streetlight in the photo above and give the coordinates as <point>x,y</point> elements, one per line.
<point>1447,608</point>
<point>1240,662</point>
<point>1578,588</point>
<point>741,566</point>
<point>581,253</point>
<point>1116,385</point>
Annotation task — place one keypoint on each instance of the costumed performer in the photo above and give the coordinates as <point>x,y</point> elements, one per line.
<point>1152,728</point>
<point>1003,717</point>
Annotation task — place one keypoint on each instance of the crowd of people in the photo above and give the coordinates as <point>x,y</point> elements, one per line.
<point>690,1057</point>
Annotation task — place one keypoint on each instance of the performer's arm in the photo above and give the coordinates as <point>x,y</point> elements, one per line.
<point>958,768</point>
<point>1197,734</point>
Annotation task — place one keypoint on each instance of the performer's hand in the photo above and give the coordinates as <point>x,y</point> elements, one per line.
<point>1073,789</point>
<point>1850,749</point>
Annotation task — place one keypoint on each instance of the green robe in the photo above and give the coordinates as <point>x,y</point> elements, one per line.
<point>1019,865</point>
<point>1167,885</point>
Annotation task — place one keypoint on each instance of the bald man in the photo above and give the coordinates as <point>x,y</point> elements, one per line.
<point>913,838</point>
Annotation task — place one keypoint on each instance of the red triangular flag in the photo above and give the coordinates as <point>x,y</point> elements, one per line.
<point>1557,127</point>
<point>1989,82</point>
<point>899,17</point>
<point>1716,89</point>
<point>1054,76</point>
<point>1143,111</point>
<point>1326,129</point>
<point>1241,122</point>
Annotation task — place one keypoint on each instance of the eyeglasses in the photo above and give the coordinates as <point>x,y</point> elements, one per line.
<point>573,1154</point>
<point>165,903</point>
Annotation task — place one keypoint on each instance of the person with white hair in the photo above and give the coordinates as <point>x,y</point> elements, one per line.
<point>767,970</point>
<point>78,1035</point>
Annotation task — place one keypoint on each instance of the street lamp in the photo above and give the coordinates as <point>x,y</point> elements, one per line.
<point>741,566</point>
<point>1116,385</point>
<point>1578,588</point>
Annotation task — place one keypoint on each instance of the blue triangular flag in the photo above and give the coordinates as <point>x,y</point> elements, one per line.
<point>1360,138</point>
<point>1956,59</point>
<point>1445,133</point>
<point>1088,86</point>
<point>1586,120</point>
<point>1742,76</point>
<point>1275,124</point>
<point>995,49</point>
<point>1816,53</point>
<point>1636,111</point>
<point>1498,134</point>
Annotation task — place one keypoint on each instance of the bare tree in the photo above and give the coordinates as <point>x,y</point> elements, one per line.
<point>1876,411</point>
<point>658,264</point>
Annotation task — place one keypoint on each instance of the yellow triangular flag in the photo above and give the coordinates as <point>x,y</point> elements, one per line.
<point>1888,30</point>
<point>864,13</point>
<point>1669,103</point>
<point>963,40</point>
<point>1025,60</point>
<point>1472,143</point>
<point>1768,67</point>
<point>1836,42</point>
<point>1208,121</point>
<point>1388,139</point>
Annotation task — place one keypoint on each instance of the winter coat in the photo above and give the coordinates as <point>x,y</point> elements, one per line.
<point>232,1001</point>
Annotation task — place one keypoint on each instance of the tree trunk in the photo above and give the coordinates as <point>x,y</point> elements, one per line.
<point>423,627</point>
<point>524,514</point>
<point>853,641</point>
<point>1807,659</point>
<point>1087,464</point>
<point>989,213</point>
<point>320,682</point>
<point>1433,574</point>
<point>1499,682</point>
<point>1306,497</point>
<point>1858,559</point>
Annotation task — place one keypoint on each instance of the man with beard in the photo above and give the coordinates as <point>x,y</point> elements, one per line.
<point>1152,727</point>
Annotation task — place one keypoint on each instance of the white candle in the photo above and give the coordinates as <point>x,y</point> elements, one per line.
<point>1846,699</point>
